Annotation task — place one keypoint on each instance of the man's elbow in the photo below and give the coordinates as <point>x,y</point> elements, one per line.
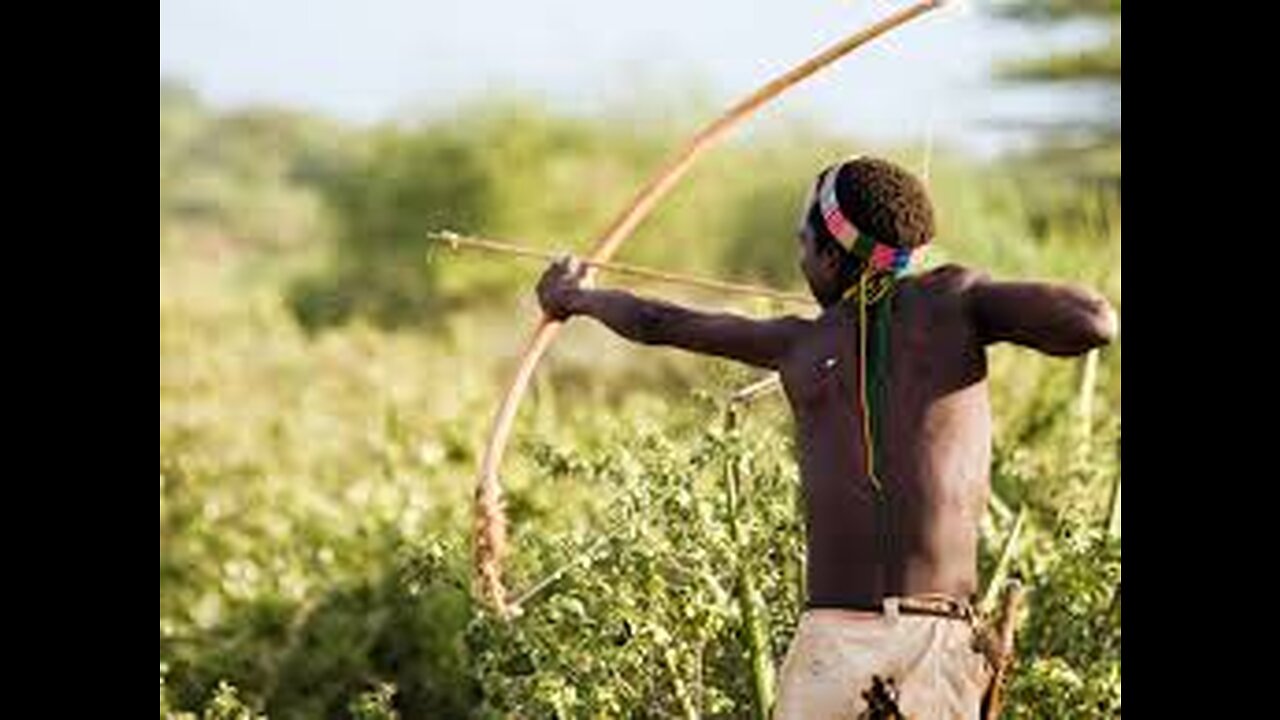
<point>1099,325</point>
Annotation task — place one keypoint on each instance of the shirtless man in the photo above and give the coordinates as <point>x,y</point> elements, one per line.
<point>888,387</point>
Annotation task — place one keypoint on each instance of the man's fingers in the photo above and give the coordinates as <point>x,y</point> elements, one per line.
<point>569,267</point>
<point>583,273</point>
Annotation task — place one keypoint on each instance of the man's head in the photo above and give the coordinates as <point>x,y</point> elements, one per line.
<point>863,211</point>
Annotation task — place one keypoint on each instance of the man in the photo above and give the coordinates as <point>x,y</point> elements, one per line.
<point>893,425</point>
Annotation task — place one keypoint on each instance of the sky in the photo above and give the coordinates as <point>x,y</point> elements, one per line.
<point>397,59</point>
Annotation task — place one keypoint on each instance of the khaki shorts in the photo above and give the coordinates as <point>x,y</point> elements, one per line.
<point>841,662</point>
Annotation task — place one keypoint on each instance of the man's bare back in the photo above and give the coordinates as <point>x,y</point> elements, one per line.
<point>934,450</point>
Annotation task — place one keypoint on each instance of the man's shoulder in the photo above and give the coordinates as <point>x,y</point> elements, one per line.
<point>793,327</point>
<point>950,279</point>
<point>947,287</point>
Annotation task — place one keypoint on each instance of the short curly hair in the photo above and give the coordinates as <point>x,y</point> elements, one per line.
<point>880,199</point>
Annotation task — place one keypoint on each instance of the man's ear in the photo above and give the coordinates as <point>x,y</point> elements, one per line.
<point>831,258</point>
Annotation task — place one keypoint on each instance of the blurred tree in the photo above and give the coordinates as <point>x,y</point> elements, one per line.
<point>1087,146</point>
